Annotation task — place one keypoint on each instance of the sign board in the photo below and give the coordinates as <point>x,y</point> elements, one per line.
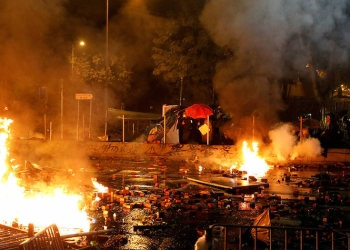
<point>83,96</point>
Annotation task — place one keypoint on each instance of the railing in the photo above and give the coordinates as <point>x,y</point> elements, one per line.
<point>225,236</point>
<point>48,238</point>
<point>11,237</point>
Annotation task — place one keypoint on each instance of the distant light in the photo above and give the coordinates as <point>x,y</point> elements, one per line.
<point>82,43</point>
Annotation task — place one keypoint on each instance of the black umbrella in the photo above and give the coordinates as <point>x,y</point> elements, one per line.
<point>311,123</point>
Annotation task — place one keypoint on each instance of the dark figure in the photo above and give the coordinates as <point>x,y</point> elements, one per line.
<point>196,136</point>
<point>340,91</point>
<point>347,127</point>
<point>332,136</point>
<point>185,127</point>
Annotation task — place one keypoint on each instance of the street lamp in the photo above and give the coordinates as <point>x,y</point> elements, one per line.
<point>81,43</point>
<point>107,65</point>
<point>181,86</point>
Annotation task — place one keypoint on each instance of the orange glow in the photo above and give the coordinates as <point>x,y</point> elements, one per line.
<point>252,162</point>
<point>40,208</point>
<point>100,188</point>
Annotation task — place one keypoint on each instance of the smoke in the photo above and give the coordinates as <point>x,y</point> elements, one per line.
<point>131,34</point>
<point>258,33</point>
<point>34,49</point>
<point>285,145</point>
<point>283,141</point>
<point>309,148</point>
<point>37,40</point>
<point>28,58</point>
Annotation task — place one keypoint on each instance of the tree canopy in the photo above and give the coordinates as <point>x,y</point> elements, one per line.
<point>184,49</point>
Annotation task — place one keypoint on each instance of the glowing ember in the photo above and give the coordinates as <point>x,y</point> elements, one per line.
<point>252,163</point>
<point>40,208</point>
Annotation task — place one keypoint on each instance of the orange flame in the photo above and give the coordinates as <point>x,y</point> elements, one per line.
<point>100,188</point>
<point>41,209</point>
<point>252,162</point>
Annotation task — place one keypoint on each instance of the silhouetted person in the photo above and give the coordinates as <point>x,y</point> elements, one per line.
<point>340,91</point>
<point>331,136</point>
<point>185,127</point>
<point>347,127</point>
<point>196,136</point>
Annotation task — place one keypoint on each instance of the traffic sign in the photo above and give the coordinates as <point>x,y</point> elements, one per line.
<point>83,96</point>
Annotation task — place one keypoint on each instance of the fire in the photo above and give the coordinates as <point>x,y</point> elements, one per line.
<point>40,208</point>
<point>252,162</point>
<point>100,188</point>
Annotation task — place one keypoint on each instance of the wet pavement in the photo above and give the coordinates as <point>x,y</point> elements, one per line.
<point>153,177</point>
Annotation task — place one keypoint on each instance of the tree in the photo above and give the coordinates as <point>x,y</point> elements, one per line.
<point>183,49</point>
<point>91,70</point>
<point>318,46</point>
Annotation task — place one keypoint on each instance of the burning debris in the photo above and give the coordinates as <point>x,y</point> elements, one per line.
<point>41,207</point>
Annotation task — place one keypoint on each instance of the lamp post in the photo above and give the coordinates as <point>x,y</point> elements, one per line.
<point>81,43</point>
<point>181,86</point>
<point>107,64</point>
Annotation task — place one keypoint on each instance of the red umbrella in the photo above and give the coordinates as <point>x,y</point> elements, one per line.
<point>197,111</point>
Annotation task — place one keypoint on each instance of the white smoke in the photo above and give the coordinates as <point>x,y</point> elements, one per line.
<point>310,147</point>
<point>286,146</point>
<point>282,141</point>
<point>263,37</point>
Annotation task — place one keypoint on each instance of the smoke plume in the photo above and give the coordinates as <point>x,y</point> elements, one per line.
<point>286,146</point>
<point>258,33</point>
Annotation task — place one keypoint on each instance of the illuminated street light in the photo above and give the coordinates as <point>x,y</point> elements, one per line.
<point>81,43</point>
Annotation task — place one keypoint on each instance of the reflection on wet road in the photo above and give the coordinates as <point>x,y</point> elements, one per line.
<point>184,229</point>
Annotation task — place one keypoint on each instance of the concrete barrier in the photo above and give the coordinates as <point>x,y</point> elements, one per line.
<point>222,154</point>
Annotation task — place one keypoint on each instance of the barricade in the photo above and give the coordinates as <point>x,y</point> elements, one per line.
<point>48,238</point>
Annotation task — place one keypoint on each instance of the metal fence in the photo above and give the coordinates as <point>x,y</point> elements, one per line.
<point>298,107</point>
<point>240,237</point>
<point>11,237</point>
<point>47,238</point>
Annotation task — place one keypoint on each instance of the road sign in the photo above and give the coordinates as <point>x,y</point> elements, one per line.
<point>83,96</point>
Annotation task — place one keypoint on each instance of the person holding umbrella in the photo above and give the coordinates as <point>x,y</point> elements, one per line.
<point>201,111</point>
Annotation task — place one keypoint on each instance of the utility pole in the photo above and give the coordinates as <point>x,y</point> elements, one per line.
<point>107,64</point>
<point>181,86</point>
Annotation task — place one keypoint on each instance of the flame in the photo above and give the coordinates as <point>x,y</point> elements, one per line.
<point>100,188</point>
<point>233,167</point>
<point>40,208</point>
<point>252,162</point>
